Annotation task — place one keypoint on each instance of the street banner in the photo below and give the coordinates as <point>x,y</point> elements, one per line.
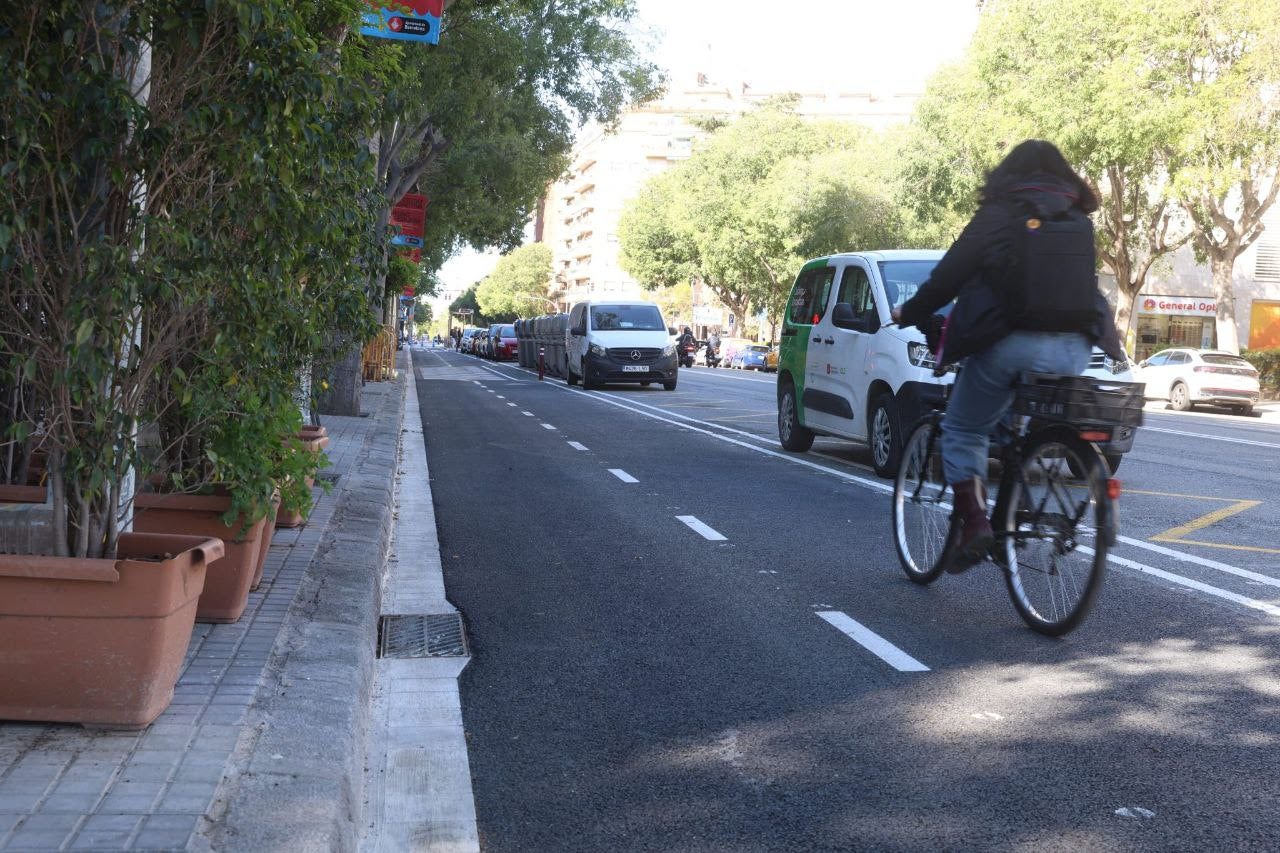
<point>409,218</point>
<point>405,20</point>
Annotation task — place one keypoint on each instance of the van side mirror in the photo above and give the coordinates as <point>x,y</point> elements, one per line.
<point>842,317</point>
<point>1142,363</point>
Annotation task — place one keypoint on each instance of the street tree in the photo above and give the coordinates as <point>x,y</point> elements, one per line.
<point>519,282</point>
<point>1083,74</point>
<point>758,197</point>
<point>1220,67</point>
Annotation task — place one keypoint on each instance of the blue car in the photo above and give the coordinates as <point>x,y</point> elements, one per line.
<point>751,357</point>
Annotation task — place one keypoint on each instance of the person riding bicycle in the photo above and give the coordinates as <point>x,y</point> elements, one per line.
<point>1024,276</point>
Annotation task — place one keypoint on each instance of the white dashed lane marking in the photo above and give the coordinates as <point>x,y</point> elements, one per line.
<point>701,529</point>
<point>873,642</point>
<point>547,426</point>
<point>527,414</point>
<point>577,446</point>
<point>627,478</point>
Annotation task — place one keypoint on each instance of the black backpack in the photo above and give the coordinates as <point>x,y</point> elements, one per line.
<point>1051,274</point>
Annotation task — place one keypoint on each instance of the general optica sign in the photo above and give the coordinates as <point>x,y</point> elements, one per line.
<point>1193,306</point>
<point>406,20</point>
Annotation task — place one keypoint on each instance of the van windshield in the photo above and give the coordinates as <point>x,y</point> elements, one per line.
<point>903,278</point>
<point>634,318</point>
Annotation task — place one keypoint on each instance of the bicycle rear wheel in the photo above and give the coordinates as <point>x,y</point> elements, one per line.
<point>1053,541</point>
<point>921,509</point>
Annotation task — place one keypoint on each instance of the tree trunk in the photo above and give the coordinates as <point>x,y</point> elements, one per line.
<point>1222,266</point>
<point>345,379</point>
<point>1124,316</point>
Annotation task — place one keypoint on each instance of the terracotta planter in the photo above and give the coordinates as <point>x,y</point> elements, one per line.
<point>22,494</point>
<point>315,441</point>
<point>226,586</point>
<point>264,545</point>
<point>309,431</point>
<point>99,641</point>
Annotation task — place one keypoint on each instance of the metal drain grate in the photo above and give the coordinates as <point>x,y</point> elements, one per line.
<point>434,636</point>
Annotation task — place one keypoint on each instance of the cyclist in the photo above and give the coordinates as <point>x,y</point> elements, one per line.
<point>1021,306</point>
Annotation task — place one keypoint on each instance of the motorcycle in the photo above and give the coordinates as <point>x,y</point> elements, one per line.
<point>687,352</point>
<point>713,357</point>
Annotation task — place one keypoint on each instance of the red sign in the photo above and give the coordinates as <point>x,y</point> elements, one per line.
<point>409,217</point>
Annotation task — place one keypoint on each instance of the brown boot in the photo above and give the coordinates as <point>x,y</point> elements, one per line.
<point>971,535</point>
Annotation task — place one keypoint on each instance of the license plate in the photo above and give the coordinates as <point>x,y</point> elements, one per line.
<point>635,368</point>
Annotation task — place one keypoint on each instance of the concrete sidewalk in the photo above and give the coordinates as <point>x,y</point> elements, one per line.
<point>264,745</point>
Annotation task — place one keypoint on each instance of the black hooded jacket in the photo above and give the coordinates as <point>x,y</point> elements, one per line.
<point>977,260</point>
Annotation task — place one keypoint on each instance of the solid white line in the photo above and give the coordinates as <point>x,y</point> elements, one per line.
<point>1202,561</point>
<point>627,478</point>
<point>700,528</point>
<point>1211,437</point>
<point>577,446</point>
<point>497,373</point>
<point>1253,603</point>
<point>887,489</point>
<point>547,426</point>
<point>873,642</point>
<point>527,414</point>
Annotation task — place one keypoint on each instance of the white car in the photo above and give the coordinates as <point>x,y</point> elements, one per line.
<point>1186,376</point>
<point>845,371</point>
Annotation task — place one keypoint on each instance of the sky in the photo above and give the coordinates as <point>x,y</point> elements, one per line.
<point>878,46</point>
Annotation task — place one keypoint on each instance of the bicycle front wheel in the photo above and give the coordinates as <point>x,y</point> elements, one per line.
<point>1053,543</point>
<point>921,509</point>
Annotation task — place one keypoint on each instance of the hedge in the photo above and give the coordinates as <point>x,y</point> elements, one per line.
<point>1268,363</point>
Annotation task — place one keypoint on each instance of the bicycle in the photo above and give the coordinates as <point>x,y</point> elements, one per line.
<point>1056,511</point>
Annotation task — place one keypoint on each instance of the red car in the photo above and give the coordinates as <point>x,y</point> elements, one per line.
<point>502,341</point>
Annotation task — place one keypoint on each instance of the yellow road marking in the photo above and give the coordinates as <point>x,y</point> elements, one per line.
<point>1178,534</point>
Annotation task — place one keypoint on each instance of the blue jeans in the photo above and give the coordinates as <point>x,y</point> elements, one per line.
<point>984,392</point>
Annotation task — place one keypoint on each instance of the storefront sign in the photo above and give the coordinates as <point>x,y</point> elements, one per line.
<point>1189,306</point>
<point>405,20</point>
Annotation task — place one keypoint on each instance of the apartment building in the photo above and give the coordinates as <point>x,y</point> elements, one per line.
<point>578,218</point>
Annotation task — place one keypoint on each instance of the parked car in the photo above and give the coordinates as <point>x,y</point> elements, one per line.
<point>750,357</point>
<point>844,371</point>
<point>502,341</point>
<point>1187,377</point>
<point>771,360</point>
<point>729,348</point>
<point>467,341</point>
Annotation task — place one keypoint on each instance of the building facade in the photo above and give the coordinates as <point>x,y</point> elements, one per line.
<point>579,216</point>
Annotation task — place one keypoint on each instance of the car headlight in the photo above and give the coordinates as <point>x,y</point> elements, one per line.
<point>599,350</point>
<point>919,355</point>
<point>669,349</point>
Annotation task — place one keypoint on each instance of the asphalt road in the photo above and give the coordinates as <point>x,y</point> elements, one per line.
<point>639,684</point>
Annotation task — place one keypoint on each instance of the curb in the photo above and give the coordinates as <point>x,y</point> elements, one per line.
<point>298,767</point>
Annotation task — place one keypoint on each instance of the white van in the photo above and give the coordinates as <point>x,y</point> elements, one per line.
<point>619,340</point>
<point>844,371</point>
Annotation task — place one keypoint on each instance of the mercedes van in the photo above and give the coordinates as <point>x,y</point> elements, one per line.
<point>618,340</point>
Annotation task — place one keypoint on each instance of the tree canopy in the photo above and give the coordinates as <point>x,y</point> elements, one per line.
<point>519,283</point>
<point>758,197</point>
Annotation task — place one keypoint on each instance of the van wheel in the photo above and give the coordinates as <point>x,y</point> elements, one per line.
<point>669,385</point>
<point>587,385</point>
<point>791,434</point>
<point>1179,397</point>
<point>885,435</point>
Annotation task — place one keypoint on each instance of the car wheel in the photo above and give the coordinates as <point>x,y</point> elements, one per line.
<point>791,434</point>
<point>669,385</point>
<point>1243,410</point>
<point>1179,397</point>
<point>570,378</point>
<point>885,436</point>
<point>587,384</point>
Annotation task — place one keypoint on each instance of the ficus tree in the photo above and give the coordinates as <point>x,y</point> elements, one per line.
<point>519,283</point>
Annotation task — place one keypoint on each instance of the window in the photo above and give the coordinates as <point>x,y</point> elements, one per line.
<point>1179,358</point>
<point>809,298</point>
<point>638,318</point>
<point>855,289</point>
<point>1158,359</point>
<point>903,278</point>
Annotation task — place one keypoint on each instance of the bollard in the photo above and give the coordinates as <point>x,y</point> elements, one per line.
<point>542,362</point>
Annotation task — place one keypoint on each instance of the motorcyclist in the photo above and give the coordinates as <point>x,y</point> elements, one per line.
<point>684,346</point>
